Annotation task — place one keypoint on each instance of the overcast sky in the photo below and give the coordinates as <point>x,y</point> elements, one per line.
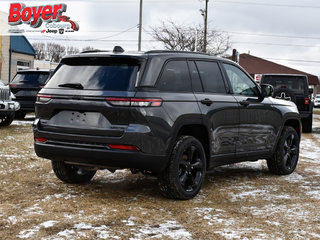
<point>283,31</point>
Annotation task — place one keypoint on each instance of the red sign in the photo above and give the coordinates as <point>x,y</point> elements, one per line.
<point>34,16</point>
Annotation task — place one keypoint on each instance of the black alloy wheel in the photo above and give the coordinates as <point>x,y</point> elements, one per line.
<point>185,173</point>
<point>285,158</point>
<point>290,151</point>
<point>190,168</point>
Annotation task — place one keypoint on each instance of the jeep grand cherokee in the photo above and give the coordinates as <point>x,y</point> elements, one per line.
<point>171,114</point>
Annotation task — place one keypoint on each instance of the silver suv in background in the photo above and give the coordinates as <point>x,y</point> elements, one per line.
<point>317,101</point>
<point>8,107</point>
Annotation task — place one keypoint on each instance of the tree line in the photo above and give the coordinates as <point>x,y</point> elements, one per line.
<point>53,52</point>
<point>172,35</point>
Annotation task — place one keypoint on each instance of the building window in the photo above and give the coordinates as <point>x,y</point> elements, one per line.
<point>21,65</point>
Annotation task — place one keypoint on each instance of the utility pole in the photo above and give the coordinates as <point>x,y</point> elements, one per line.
<point>140,26</point>
<point>205,27</point>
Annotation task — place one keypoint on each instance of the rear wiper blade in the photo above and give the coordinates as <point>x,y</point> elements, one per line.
<point>71,85</point>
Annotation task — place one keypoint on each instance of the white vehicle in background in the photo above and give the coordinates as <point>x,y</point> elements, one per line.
<point>8,107</point>
<point>317,101</point>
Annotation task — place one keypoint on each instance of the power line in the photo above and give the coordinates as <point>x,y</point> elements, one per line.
<point>277,44</point>
<point>269,4</point>
<point>217,1</point>
<point>295,60</point>
<point>272,35</point>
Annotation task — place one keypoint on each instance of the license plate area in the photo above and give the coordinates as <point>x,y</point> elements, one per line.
<point>76,119</point>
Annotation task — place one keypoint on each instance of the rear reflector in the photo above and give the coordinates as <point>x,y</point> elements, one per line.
<point>37,139</point>
<point>306,101</point>
<point>123,147</point>
<point>135,102</point>
<point>43,98</point>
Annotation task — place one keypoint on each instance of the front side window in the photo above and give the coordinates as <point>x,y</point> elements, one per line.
<point>211,77</point>
<point>241,84</point>
<point>175,77</point>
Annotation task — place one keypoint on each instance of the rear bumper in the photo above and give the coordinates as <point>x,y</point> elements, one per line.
<point>305,114</point>
<point>27,105</point>
<point>93,150</point>
<point>101,158</point>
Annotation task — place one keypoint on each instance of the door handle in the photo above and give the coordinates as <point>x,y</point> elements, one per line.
<point>206,101</point>
<point>244,103</point>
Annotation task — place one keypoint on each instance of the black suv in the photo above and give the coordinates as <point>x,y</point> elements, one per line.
<point>25,86</point>
<point>170,114</point>
<point>293,88</point>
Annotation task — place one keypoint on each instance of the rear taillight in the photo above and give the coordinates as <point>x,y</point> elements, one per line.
<point>41,86</point>
<point>43,140</point>
<point>43,98</point>
<point>123,147</point>
<point>12,85</point>
<point>306,101</point>
<point>135,102</point>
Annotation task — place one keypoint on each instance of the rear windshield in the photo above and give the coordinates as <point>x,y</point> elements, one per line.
<point>96,74</point>
<point>31,78</point>
<point>295,83</point>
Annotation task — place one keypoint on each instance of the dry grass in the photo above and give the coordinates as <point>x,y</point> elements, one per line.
<point>236,202</point>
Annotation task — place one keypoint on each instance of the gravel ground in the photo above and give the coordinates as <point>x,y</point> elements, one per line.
<point>241,201</point>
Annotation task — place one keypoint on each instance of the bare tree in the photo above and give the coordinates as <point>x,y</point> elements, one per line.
<point>190,38</point>
<point>55,52</point>
<point>40,49</point>
<point>72,50</point>
<point>88,48</point>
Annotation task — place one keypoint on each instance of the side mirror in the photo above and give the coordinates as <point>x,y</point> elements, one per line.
<point>310,90</point>
<point>267,90</point>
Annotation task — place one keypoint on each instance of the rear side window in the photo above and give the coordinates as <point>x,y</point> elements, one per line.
<point>175,77</point>
<point>31,78</point>
<point>96,74</point>
<point>211,77</point>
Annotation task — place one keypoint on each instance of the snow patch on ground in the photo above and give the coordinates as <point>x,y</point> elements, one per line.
<point>28,233</point>
<point>34,210</point>
<point>169,229</point>
<point>13,220</point>
<point>78,230</point>
<point>48,224</point>
<point>21,123</point>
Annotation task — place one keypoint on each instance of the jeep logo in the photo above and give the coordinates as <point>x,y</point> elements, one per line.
<point>284,96</point>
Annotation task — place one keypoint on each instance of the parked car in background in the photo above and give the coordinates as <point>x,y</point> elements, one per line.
<point>166,113</point>
<point>8,107</point>
<point>25,86</point>
<point>317,100</point>
<point>293,88</point>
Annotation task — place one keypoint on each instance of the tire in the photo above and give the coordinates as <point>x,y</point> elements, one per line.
<point>6,120</point>
<point>285,158</point>
<point>185,173</point>
<point>307,124</point>
<point>71,173</point>
<point>20,115</point>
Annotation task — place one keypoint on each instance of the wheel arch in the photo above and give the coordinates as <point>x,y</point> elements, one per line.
<point>200,132</point>
<point>296,124</point>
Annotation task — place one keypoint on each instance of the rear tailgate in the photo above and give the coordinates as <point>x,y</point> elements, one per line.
<point>75,100</point>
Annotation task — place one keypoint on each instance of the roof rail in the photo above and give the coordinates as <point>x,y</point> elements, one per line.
<point>173,51</point>
<point>95,51</point>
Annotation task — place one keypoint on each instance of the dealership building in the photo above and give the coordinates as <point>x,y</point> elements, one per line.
<point>16,52</point>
